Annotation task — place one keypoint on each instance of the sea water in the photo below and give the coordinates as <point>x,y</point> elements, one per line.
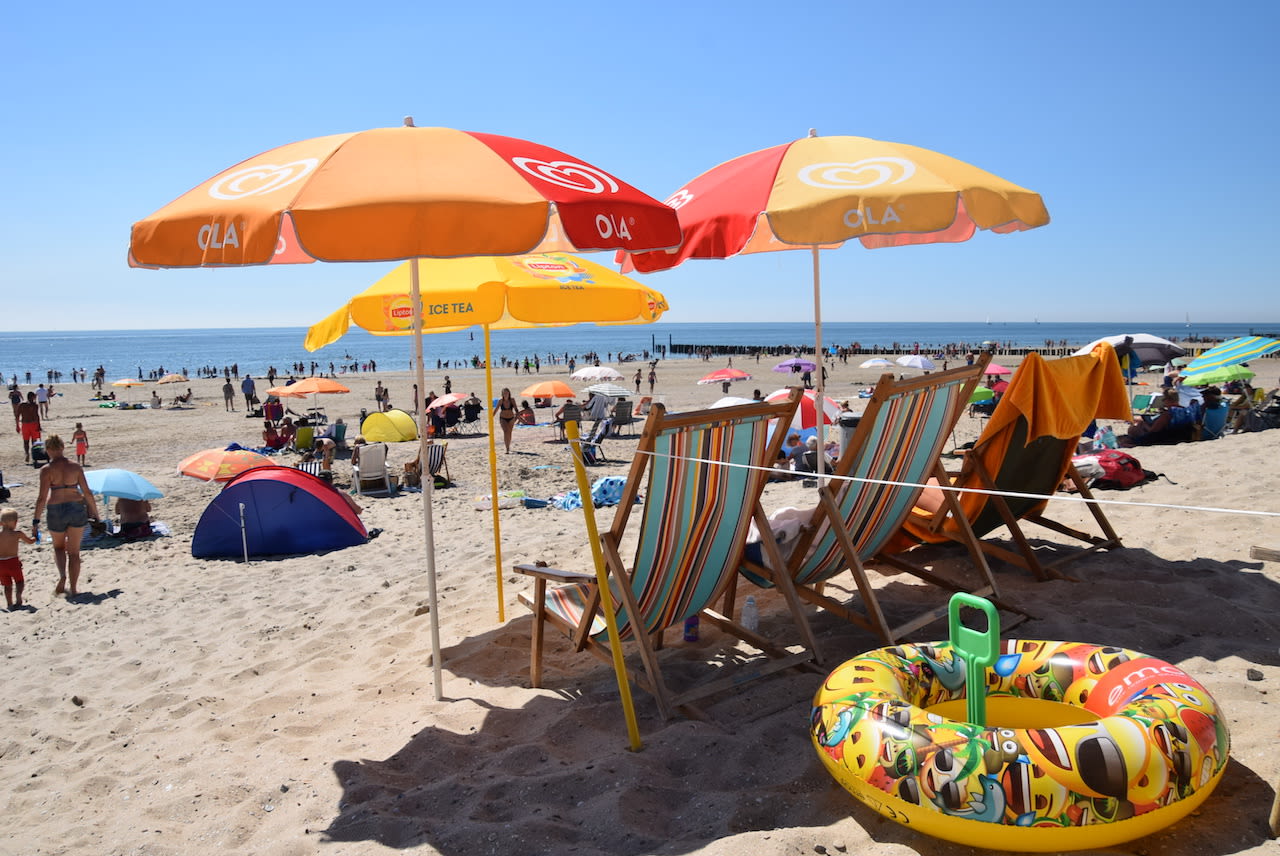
<point>125,353</point>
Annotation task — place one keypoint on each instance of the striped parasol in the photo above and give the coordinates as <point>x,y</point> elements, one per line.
<point>1232,352</point>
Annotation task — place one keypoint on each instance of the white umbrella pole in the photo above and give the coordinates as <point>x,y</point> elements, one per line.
<point>819,404</point>
<point>428,481</point>
<point>493,477</point>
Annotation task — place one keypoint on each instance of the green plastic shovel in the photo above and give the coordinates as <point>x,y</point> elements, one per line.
<point>978,648</point>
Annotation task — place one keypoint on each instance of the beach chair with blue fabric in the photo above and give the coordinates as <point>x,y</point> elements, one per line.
<point>876,484</point>
<point>701,475</point>
<point>1213,421</point>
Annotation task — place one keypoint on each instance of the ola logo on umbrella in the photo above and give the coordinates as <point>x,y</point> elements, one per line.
<point>870,172</point>
<point>260,178</point>
<point>574,176</point>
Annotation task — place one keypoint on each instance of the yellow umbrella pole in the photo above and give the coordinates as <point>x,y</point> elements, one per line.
<point>493,477</point>
<point>602,580</point>
<point>428,482</point>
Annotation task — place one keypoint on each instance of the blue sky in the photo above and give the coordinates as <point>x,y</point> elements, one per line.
<point>1147,127</point>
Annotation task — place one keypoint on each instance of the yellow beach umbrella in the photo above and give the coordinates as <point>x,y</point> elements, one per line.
<point>127,383</point>
<point>498,293</point>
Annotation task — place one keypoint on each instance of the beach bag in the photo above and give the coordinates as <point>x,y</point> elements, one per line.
<point>1119,469</point>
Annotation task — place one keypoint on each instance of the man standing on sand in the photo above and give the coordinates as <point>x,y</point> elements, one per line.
<point>27,423</point>
<point>229,396</point>
<point>42,399</point>
<point>249,388</point>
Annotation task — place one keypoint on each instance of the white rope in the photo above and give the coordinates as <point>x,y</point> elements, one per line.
<point>984,491</point>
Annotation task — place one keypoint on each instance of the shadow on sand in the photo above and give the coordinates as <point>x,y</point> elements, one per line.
<point>556,774</point>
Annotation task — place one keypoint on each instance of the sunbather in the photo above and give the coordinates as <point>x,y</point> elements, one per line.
<point>270,437</point>
<point>1173,423</point>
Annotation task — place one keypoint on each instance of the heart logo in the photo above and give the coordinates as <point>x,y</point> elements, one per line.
<point>260,179</point>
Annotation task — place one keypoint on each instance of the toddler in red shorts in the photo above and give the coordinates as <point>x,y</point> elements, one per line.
<point>10,565</point>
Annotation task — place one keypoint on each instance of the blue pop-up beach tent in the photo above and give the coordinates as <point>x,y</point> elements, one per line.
<point>271,511</point>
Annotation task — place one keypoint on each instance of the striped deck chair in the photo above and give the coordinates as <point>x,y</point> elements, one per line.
<point>436,462</point>
<point>693,527</point>
<point>895,449</point>
<point>1026,448</point>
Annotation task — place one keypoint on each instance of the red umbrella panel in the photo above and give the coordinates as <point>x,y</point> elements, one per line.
<point>807,413</point>
<point>722,375</point>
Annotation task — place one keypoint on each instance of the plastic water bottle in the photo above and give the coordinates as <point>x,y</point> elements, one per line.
<point>751,614</point>
<point>691,629</point>
<point>1106,438</point>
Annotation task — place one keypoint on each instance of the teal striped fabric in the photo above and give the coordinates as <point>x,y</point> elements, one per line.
<point>695,519</point>
<point>907,437</point>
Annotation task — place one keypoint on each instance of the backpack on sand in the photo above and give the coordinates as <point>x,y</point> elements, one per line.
<point>1112,469</point>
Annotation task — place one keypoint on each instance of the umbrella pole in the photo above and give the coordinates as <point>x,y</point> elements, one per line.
<point>602,580</point>
<point>493,477</point>
<point>428,482</point>
<point>244,535</point>
<point>819,404</point>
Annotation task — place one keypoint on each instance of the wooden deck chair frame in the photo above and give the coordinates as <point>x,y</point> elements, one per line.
<point>1013,512</point>
<point>693,528</point>
<point>879,478</point>
<point>1036,466</point>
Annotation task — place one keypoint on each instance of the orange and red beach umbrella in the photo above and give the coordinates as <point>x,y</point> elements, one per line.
<point>221,465</point>
<point>722,375</point>
<point>398,193</point>
<point>818,192</point>
<point>309,386</point>
<point>390,194</point>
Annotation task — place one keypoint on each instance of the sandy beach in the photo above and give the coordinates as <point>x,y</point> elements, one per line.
<point>286,706</point>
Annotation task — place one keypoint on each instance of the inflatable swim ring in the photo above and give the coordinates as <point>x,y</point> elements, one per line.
<point>1086,746</point>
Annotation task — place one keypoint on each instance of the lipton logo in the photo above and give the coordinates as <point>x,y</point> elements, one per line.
<point>401,312</point>
<point>857,175</point>
<point>261,178</point>
<point>552,267</point>
<point>680,198</point>
<point>575,176</point>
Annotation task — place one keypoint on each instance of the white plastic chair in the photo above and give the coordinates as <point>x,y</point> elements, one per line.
<point>371,467</point>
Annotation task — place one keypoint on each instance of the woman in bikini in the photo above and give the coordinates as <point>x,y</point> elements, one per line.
<point>507,417</point>
<point>66,495</point>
